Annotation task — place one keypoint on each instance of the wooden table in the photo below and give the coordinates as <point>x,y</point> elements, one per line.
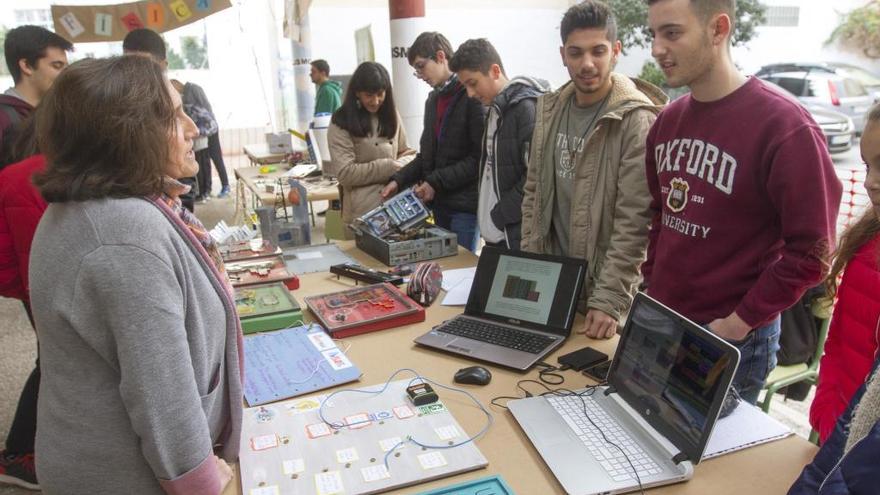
<point>253,180</point>
<point>765,469</point>
<point>259,154</point>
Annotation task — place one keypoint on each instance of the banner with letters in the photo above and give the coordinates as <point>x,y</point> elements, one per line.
<point>87,23</point>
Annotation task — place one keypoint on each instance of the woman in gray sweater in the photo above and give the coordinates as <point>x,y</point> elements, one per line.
<point>140,345</point>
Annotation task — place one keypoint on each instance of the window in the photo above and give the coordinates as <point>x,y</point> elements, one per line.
<point>37,17</point>
<point>781,16</point>
<point>794,85</point>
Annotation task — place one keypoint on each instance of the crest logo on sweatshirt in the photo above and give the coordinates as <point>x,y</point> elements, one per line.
<point>677,198</point>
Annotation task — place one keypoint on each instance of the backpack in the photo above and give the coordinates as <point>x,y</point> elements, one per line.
<point>203,118</point>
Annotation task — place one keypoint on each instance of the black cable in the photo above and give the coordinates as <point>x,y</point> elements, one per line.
<point>549,371</point>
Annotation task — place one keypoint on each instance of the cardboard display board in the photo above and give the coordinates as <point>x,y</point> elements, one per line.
<point>287,449</point>
<point>87,23</point>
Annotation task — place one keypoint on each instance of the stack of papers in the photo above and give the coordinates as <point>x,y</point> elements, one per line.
<point>223,233</point>
<point>457,284</point>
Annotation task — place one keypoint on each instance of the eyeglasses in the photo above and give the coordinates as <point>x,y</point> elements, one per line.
<point>420,67</point>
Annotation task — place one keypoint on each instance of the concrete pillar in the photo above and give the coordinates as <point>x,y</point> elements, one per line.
<point>407,22</point>
<point>305,89</point>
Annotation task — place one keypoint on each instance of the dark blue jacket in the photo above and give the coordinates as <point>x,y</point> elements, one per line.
<point>832,472</point>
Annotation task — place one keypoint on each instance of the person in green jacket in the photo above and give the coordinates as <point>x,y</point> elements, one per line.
<point>329,96</point>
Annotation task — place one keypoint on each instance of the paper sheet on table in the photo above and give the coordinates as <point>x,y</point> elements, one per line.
<point>458,295</point>
<point>451,278</point>
<point>747,426</point>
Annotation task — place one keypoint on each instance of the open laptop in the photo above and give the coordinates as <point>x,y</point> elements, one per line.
<point>521,307</point>
<point>665,389</point>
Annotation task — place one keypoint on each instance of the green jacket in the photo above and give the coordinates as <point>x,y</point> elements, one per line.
<point>609,216</point>
<point>329,97</point>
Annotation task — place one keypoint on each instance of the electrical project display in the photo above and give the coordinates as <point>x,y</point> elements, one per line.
<point>370,440</point>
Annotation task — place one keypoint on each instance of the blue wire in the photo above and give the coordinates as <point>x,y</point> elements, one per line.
<point>409,438</point>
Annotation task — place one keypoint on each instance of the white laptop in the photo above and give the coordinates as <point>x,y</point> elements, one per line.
<point>665,389</point>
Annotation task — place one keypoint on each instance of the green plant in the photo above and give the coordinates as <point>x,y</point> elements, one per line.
<point>859,30</point>
<point>651,73</point>
<point>4,71</point>
<point>633,31</point>
<point>194,52</point>
<point>175,61</point>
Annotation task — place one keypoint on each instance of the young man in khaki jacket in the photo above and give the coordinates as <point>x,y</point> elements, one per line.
<point>586,195</point>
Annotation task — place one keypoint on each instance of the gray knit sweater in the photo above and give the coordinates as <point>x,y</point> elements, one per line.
<point>138,351</point>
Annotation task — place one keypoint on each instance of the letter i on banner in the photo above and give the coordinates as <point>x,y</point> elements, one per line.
<point>155,15</point>
<point>180,10</point>
<point>131,21</point>
<point>103,24</point>
<point>72,25</point>
<point>203,4</point>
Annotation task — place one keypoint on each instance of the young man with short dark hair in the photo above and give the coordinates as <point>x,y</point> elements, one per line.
<point>445,171</point>
<point>509,125</point>
<point>145,41</point>
<point>329,95</point>
<point>34,56</point>
<point>585,192</point>
<point>744,196</point>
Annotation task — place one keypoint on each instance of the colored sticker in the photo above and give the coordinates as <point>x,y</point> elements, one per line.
<point>103,24</point>
<point>293,466</point>
<point>203,4</point>
<point>429,409</point>
<point>265,490</point>
<point>447,432</point>
<point>264,442</point>
<point>155,15</point>
<point>389,443</point>
<point>302,406</point>
<point>318,430</point>
<point>131,21</point>
<point>346,455</point>
<point>264,415</point>
<point>357,421</point>
<point>72,25</point>
<point>336,359</point>
<point>432,460</point>
<point>403,412</point>
<point>321,341</point>
<point>329,483</point>
<point>380,415</point>
<point>180,10</point>
<point>375,473</point>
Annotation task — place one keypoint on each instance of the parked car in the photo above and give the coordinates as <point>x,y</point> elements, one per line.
<point>838,128</point>
<point>870,80</point>
<point>816,86</point>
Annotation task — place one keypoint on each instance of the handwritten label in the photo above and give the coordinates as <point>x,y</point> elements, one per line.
<point>72,25</point>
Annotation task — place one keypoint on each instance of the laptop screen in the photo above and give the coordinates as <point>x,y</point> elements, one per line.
<point>674,373</point>
<point>526,289</point>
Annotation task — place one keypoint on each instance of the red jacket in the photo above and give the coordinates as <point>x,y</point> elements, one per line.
<point>21,208</point>
<point>852,339</point>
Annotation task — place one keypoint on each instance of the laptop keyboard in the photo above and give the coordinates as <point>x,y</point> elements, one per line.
<point>608,456</point>
<point>497,334</point>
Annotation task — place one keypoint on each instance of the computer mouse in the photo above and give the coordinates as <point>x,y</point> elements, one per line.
<point>473,375</point>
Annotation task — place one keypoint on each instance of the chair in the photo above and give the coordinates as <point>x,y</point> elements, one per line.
<point>783,376</point>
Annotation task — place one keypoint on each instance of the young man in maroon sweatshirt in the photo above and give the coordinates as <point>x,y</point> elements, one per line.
<point>744,193</point>
<point>34,56</point>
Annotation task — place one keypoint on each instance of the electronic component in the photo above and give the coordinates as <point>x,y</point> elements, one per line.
<point>583,358</point>
<point>364,274</point>
<point>421,394</point>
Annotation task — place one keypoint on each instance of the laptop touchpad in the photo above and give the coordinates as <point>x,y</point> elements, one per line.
<point>553,434</point>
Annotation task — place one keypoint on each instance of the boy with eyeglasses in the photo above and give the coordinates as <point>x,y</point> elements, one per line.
<point>445,171</point>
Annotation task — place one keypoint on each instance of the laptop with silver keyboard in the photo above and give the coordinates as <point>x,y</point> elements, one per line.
<point>521,307</point>
<point>650,425</point>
